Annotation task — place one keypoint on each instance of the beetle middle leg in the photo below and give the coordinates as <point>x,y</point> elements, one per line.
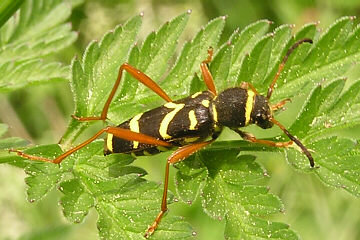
<point>137,74</point>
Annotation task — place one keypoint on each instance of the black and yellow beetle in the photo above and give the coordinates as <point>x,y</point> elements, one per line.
<point>190,123</point>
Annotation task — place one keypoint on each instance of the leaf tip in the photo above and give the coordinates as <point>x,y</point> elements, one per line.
<point>224,17</point>
<point>141,14</point>
<point>189,11</point>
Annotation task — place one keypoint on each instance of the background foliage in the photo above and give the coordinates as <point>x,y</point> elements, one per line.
<point>40,113</point>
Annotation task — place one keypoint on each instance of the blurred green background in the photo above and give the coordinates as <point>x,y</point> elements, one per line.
<point>40,114</point>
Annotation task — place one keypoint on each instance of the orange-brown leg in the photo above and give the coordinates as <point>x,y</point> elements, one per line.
<point>137,74</point>
<point>206,74</point>
<point>297,141</point>
<point>280,104</point>
<point>251,138</point>
<point>117,132</point>
<point>282,64</point>
<point>247,85</point>
<point>177,156</point>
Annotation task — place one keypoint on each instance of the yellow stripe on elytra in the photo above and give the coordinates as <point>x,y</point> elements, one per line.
<point>195,95</point>
<point>205,103</point>
<point>168,117</point>
<point>193,120</point>
<point>109,142</point>
<point>214,112</point>
<point>249,106</point>
<point>134,126</point>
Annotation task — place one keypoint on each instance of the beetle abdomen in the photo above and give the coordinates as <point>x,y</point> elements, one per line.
<point>181,122</point>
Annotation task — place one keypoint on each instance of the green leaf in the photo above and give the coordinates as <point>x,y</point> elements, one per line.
<point>323,115</point>
<point>23,75</point>
<point>329,58</point>
<point>126,204</point>
<point>127,214</point>
<point>255,65</point>
<point>220,67</point>
<point>326,111</point>
<point>338,162</point>
<point>7,9</point>
<point>341,114</point>
<point>190,179</point>
<point>229,190</point>
<point>307,31</point>
<point>76,202</point>
<point>227,181</point>
<point>307,114</point>
<point>42,177</point>
<point>317,71</point>
<point>12,142</point>
<point>152,59</point>
<point>9,143</point>
<point>243,43</point>
<point>94,75</point>
<point>159,47</point>
<point>36,31</point>
<point>178,82</point>
<point>281,43</point>
<point>260,66</point>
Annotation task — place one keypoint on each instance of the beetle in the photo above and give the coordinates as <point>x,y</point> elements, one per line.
<point>189,124</point>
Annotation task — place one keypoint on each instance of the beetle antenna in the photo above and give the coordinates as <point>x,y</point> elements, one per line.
<point>282,64</point>
<point>297,141</point>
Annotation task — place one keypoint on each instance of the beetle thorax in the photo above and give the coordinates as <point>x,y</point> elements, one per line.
<point>238,107</point>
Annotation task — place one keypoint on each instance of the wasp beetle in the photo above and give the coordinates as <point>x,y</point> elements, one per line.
<point>188,124</point>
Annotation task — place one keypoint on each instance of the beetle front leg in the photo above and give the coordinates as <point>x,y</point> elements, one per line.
<point>280,104</point>
<point>251,138</point>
